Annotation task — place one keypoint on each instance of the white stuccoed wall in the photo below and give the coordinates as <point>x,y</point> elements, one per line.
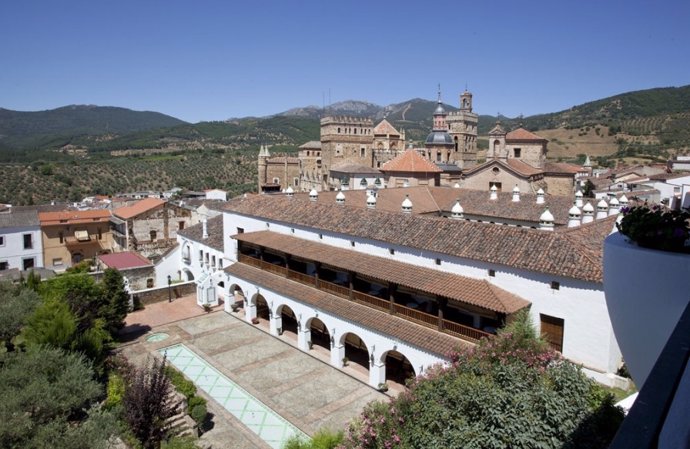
<point>588,336</point>
<point>377,344</point>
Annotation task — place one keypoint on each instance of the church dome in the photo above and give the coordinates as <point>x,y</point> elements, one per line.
<point>439,138</point>
<point>439,109</point>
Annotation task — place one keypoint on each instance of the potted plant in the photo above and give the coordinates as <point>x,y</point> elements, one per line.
<point>255,320</point>
<point>646,282</point>
<point>345,361</point>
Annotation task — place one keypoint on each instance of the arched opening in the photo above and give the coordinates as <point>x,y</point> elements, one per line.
<point>320,337</point>
<point>237,297</point>
<point>497,145</point>
<point>398,367</point>
<point>288,321</point>
<point>262,310</point>
<point>356,352</point>
<point>188,274</point>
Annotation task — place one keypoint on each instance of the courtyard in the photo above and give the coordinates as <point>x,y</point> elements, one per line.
<point>302,388</point>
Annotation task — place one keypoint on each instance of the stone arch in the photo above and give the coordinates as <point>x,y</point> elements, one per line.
<point>356,350</point>
<point>319,335</point>
<point>237,293</point>
<point>398,366</point>
<point>188,274</point>
<point>288,320</point>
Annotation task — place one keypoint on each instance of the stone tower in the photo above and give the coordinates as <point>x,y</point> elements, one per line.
<point>263,157</point>
<point>346,139</point>
<point>462,126</point>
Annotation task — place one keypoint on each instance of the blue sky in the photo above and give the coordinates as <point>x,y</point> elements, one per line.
<point>211,60</point>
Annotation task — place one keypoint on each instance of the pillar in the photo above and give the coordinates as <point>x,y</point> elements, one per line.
<point>275,322</point>
<point>303,338</point>
<point>337,352</point>
<point>377,373</point>
<point>250,310</point>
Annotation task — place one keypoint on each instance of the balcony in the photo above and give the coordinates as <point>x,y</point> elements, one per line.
<point>396,303</point>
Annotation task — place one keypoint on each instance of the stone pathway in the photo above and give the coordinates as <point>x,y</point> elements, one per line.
<point>306,391</point>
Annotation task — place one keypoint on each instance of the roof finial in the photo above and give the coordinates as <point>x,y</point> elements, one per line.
<point>439,93</point>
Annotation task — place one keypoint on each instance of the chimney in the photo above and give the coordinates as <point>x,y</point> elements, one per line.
<point>340,198</point>
<point>457,211</point>
<point>587,213</point>
<point>371,201</point>
<point>516,194</point>
<point>546,221</point>
<point>204,227</point>
<point>313,195</point>
<point>494,192</point>
<point>623,201</point>
<point>578,199</point>
<point>407,205</point>
<point>540,196</point>
<point>574,217</point>
<point>614,206</point>
<point>289,192</point>
<point>602,209</point>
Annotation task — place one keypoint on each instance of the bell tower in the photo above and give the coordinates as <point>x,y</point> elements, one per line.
<point>462,127</point>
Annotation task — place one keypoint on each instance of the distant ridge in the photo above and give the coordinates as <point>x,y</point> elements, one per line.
<point>27,130</point>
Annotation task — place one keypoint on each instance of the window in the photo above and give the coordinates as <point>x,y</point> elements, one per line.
<point>240,230</point>
<point>320,236</point>
<point>497,184</point>
<point>4,265</point>
<point>362,152</point>
<point>292,230</point>
<point>495,170</point>
<point>57,262</point>
<point>268,225</point>
<point>276,180</point>
<point>555,285</point>
<point>391,251</point>
<point>352,243</point>
<point>492,273</point>
<point>28,241</point>
<point>62,237</point>
<point>363,182</point>
<point>100,234</point>
<point>295,182</point>
<point>438,261</point>
<point>153,235</point>
<point>2,240</point>
<point>149,283</point>
<point>180,225</point>
<point>516,152</point>
<point>552,331</point>
<point>27,263</point>
<point>201,255</point>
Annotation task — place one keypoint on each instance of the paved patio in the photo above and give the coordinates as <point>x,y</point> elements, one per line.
<point>303,389</point>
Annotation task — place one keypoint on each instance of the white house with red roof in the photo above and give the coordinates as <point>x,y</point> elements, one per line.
<point>137,270</point>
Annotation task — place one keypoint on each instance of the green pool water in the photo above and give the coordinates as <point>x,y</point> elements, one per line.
<point>157,337</point>
<point>259,418</point>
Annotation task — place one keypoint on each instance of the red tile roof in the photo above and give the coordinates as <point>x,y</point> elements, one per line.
<point>563,168</point>
<point>138,208</point>
<point>125,260</point>
<point>73,217</point>
<point>522,135</point>
<point>382,322</point>
<point>466,290</point>
<point>515,165</point>
<point>385,128</point>
<point>410,162</point>
<point>522,248</point>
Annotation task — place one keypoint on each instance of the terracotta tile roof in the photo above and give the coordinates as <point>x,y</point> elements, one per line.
<point>19,218</point>
<point>214,226</point>
<point>311,145</point>
<point>522,248</point>
<point>385,128</point>
<point>523,167</point>
<point>422,337</point>
<point>589,237</point>
<point>411,162</point>
<point>138,208</point>
<point>125,260</point>
<point>665,176</point>
<point>476,203</point>
<point>349,167</point>
<point>73,217</point>
<point>522,135</point>
<point>466,290</point>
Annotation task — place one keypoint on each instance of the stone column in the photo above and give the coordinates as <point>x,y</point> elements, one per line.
<point>275,323</point>
<point>377,373</point>
<point>337,352</point>
<point>250,310</point>
<point>303,338</point>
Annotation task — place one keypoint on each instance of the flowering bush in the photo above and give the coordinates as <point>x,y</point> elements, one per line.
<point>510,390</point>
<point>656,227</point>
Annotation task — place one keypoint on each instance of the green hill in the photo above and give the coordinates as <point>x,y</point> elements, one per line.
<point>35,130</point>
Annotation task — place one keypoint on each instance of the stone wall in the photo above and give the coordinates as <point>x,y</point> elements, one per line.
<point>154,295</point>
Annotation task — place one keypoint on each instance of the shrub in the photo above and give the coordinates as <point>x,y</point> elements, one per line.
<point>181,384</point>
<point>115,390</point>
<point>656,227</point>
<point>198,414</point>
<point>194,401</point>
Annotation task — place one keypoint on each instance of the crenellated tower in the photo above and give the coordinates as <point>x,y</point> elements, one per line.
<point>462,126</point>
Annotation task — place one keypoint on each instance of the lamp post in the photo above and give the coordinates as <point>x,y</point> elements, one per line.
<point>169,292</point>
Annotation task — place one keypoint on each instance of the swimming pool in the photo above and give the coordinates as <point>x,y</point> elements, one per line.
<point>258,417</point>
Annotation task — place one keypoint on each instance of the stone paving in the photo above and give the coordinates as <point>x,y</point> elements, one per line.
<point>305,390</point>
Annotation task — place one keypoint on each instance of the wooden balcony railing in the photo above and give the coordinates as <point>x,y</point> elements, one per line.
<point>372,301</point>
<point>462,331</point>
<point>300,277</point>
<point>334,288</point>
<point>422,318</point>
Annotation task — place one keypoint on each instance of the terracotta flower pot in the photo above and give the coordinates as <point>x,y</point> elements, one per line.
<point>646,292</point>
